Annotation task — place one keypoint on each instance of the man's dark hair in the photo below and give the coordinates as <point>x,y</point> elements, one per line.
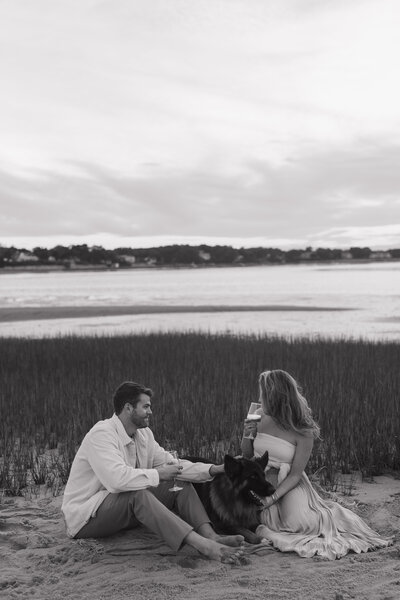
<point>129,391</point>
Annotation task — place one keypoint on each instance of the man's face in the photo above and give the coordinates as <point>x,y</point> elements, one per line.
<point>141,413</point>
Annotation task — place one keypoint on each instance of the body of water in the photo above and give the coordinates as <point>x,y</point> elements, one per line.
<point>336,300</point>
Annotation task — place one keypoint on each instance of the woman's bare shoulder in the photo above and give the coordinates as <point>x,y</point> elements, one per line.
<point>269,426</point>
<point>305,438</point>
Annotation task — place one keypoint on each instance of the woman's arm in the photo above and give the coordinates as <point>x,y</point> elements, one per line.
<point>247,448</point>
<point>303,451</point>
<point>250,427</point>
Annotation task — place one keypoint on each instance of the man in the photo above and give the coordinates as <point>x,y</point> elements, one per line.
<point>121,476</point>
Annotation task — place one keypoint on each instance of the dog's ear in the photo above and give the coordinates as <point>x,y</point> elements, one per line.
<point>263,460</point>
<point>232,466</point>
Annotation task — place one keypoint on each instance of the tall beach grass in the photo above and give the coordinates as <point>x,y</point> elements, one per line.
<point>53,390</point>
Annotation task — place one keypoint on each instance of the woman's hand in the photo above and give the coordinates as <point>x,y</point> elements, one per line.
<point>269,501</point>
<point>250,429</point>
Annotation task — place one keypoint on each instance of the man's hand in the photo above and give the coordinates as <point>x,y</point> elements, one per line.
<point>167,472</point>
<point>215,469</point>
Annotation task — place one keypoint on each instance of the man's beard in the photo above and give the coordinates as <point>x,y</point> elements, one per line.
<point>140,422</point>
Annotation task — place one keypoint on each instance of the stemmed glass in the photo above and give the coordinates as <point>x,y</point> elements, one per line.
<point>175,488</point>
<point>253,416</point>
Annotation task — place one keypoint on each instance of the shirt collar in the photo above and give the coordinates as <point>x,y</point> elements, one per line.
<point>125,438</point>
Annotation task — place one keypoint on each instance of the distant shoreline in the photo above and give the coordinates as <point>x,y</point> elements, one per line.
<point>35,313</point>
<point>140,266</point>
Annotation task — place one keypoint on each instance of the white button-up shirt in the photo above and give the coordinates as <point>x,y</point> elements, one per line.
<point>109,461</point>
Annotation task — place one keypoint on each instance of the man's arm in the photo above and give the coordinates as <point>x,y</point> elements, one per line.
<point>109,465</point>
<point>190,471</point>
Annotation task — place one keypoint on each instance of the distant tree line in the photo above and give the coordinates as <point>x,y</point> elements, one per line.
<point>97,256</point>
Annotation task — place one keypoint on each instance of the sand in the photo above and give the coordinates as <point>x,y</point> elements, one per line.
<point>31,313</point>
<point>39,561</point>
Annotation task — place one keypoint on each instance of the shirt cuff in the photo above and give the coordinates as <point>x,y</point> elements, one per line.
<point>153,476</point>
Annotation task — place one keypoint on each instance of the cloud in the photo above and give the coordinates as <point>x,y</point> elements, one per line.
<point>338,190</point>
<point>118,83</point>
<point>380,236</point>
<point>222,120</point>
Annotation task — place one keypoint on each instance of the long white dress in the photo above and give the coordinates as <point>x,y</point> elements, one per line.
<point>301,521</point>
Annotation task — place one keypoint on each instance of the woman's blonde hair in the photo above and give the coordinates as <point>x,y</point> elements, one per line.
<point>281,398</point>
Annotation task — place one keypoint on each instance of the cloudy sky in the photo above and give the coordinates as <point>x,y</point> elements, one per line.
<point>247,122</point>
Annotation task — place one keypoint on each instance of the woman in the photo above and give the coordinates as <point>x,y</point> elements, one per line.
<point>295,517</point>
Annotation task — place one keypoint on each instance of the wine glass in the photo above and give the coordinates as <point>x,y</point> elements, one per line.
<point>175,488</point>
<point>253,416</point>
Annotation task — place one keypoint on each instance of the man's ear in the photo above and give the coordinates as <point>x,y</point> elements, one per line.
<point>232,466</point>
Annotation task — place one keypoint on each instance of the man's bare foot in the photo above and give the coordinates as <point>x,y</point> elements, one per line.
<point>227,540</point>
<point>215,550</point>
<point>222,553</point>
<point>230,540</point>
<point>237,558</point>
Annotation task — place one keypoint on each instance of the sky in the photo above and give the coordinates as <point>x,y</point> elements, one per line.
<point>242,122</point>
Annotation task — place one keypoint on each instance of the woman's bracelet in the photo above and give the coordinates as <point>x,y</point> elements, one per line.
<point>275,497</point>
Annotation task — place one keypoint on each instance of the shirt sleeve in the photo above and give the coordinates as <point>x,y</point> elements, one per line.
<point>114,473</point>
<point>196,472</point>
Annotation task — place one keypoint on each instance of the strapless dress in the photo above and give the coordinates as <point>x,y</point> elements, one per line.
<point>303,522</point>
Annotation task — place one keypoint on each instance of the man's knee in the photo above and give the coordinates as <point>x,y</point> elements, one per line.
<point>188,496</point>
<point>140,496</point>
<point>188,488</point>
<point>143,498</point>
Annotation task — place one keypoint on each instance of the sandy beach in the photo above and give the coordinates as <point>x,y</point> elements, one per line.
<point>39,561</point>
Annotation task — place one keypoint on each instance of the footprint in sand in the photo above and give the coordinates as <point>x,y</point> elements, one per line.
<point>188,562</point>
<point>31,540</point>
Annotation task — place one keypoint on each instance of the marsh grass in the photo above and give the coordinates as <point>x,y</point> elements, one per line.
<point>54,390</point>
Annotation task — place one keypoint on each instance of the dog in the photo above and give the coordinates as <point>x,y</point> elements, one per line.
<point>233,499</point>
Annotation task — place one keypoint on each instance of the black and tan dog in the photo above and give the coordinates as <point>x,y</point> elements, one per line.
<point>233,499</point>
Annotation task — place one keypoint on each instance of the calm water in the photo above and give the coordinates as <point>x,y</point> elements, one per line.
<point>371,291</point>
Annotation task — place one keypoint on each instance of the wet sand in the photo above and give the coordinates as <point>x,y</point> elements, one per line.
<point>34,313</point>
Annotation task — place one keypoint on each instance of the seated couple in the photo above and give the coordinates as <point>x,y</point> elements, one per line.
<point>121,477</point>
